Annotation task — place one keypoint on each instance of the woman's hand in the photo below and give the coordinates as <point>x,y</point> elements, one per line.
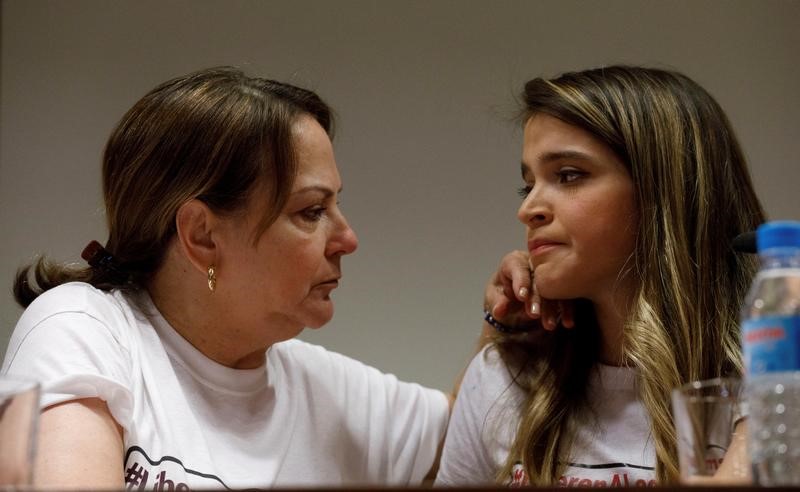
<point>511,297</point>
<point>735,467</point>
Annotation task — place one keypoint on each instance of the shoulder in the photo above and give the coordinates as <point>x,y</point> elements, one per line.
<point>75,297</point>
<point>489,399</point>
<point>488,373</point>
<point>483,424</point>
<point>77,341</point>
<point>76,308</point>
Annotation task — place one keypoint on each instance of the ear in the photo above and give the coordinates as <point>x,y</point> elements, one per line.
<point>195,223</point>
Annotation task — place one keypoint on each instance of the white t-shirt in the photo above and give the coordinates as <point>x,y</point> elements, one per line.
<point>612,447</point>
<point>309,417</point>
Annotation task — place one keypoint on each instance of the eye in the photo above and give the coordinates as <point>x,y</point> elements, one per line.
<point>524,191</point>
<point>314,214</point>
<point>568,175</point>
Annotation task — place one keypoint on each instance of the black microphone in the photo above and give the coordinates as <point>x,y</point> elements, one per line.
<point>745,242</point>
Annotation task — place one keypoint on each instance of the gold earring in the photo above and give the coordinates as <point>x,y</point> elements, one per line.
<point>212,278</point>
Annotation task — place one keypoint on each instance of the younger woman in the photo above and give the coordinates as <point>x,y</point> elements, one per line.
<point>634,187</point>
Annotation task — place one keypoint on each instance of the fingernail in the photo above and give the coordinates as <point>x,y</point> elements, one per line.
<point>523,292</point>
<point>534,308</point>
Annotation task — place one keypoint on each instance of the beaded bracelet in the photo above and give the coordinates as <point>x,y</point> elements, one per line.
<point>501,327</point>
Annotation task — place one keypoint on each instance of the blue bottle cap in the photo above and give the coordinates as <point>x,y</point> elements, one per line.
<point>778,234</point>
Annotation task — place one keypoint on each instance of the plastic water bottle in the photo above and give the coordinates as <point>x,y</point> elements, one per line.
<point>771,342</point>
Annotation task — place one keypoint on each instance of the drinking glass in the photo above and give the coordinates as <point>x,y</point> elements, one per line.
<point>19,416</point>
<point>710,420</point>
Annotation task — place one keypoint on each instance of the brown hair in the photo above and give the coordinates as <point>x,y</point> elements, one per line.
<point>211,135</point>
<point>694,195</point>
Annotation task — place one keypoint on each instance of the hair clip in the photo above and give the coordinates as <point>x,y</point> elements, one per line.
<point>97,257</point>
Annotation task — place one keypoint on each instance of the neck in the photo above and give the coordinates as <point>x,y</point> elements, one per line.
<point>612,312</point>
<point>181,295</point>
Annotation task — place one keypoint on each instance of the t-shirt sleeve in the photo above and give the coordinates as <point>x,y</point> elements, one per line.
<point>73,355</point>
<point>395,428</point>
<point>477,436</point>
<point>416,419</point>
<point>405,420</point>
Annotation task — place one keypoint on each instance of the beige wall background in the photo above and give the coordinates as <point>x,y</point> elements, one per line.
<point>423,91</point>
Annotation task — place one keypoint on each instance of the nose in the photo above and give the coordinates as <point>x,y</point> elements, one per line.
<point>534,211</point>
<point>343,240</point>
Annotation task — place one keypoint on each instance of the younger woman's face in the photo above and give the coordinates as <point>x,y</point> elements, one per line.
<point>579,211</point>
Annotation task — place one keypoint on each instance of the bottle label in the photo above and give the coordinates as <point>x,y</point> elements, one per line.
<point>771,344</point>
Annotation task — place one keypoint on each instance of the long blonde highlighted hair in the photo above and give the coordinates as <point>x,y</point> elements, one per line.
<point>694,195</point>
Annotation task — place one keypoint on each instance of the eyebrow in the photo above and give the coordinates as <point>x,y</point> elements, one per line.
<point>549,157</point>
<point>564,154</point>
<point>322,189</point>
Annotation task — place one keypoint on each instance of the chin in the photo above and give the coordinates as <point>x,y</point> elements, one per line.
<point>314,312</point>
<point>320,319</point>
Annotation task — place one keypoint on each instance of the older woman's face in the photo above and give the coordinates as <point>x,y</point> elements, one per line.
<point>284,280</point>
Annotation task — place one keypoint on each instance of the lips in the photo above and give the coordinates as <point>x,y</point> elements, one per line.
<point>334,282</point>
<point>541,246</point>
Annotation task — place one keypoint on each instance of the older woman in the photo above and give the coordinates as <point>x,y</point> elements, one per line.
<point>168,362</point>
